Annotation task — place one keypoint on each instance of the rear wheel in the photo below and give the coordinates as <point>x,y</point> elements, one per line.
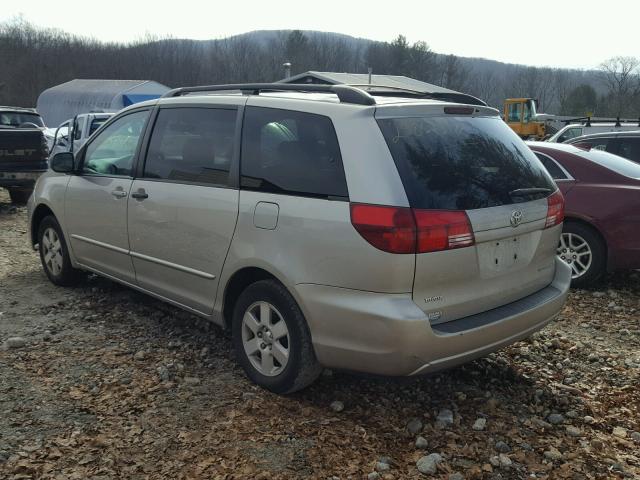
<point>54,255</point>
<point>271,338</point>
<point>19,196</point>
<point>584,251</point>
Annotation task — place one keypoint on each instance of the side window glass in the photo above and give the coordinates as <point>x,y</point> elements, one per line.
<point>552,167</point>
<point>192,145</point>
<point>599,144</point>
<point>629,148</point>
<point>96,123</point>
<point>291,152</point>
<point>112,152</point>
<point>527,113</point>
<point>569,134</point>
<point>514,112</point>
<point>78,127</point>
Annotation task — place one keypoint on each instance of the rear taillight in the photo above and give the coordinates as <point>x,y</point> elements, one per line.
<point>442,230</point>
<point>404,230</point>
<point>391,229</point>
<point>555,209</point>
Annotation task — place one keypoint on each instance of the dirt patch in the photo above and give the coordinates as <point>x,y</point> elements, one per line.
<point>112,384</point>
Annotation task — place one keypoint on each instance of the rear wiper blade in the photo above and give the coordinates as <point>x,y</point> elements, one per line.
<point>529,191</point>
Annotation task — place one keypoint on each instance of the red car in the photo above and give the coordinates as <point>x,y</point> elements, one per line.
<point>602,209</point>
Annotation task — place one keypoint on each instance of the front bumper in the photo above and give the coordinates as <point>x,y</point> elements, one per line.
<point>19,179</point>
<point>388,334</point>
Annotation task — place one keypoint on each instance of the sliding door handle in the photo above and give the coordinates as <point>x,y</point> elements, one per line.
<point>140,194</point>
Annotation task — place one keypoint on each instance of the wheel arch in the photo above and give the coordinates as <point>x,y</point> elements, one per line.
<point>236,284</point>
<point>39,213</point>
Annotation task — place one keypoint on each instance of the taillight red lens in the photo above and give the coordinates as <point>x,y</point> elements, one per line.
<point>403,230</point>
<point>555,209</point>
<point>442,230</point>
<point>391,229</point>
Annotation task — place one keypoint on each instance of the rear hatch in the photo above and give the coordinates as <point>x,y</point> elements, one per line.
<point>22,149</point>
<point>467,174</point>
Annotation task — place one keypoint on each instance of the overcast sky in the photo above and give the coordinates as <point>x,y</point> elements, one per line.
<point>559,33</point>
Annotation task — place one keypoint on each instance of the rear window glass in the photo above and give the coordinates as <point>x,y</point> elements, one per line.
<point>15,119</point>
<point>613,162</point>
<point>462,163</point>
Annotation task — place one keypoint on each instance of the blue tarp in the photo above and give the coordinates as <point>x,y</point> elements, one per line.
<point>131,98</point>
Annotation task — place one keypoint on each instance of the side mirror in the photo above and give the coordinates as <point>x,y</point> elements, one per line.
<point>63,162</point>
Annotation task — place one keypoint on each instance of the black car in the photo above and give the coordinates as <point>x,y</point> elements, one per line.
<point>624,144</point>
<point>23,151</point>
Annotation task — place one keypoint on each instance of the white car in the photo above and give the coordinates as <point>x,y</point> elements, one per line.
<point>576,130</point>
<point>82,127</point>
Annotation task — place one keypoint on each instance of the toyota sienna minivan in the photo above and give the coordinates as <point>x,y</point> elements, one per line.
<point>367,229</point>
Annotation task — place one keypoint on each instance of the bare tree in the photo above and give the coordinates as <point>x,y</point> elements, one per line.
<point>622,77</point>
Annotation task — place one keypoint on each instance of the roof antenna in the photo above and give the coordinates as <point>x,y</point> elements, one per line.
<point>287,69</point>
<point>370,70</point>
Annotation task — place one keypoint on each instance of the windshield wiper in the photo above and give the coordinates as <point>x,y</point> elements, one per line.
<point>529,191</point>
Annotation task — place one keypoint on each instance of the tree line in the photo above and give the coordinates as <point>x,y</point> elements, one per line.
<point>34,59</point>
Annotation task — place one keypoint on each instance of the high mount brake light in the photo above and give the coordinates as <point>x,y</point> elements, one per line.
<point>555,209</point>
<point>405,230</point>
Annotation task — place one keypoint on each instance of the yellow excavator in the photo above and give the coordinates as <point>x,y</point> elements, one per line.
<point>521,115</point>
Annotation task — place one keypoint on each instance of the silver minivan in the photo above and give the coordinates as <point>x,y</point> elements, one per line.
<point>372,230</point>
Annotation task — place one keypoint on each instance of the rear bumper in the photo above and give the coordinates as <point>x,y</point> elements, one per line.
<point>388,334</point>
<point>19,179</point>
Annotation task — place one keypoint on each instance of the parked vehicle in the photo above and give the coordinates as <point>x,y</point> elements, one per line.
<point>589,126</point>
<point>23,151</point>
<point>324,225</point>
<point>602,216</point>
<point>81,127</point>
<point>521,115</point>
<point>624,144</point>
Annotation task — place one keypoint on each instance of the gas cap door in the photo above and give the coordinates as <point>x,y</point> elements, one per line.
<point>266,215</point>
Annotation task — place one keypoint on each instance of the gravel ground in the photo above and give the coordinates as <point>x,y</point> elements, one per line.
<point>106,383</point>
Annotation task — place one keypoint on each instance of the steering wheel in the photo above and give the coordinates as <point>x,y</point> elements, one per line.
<point>28,125</point>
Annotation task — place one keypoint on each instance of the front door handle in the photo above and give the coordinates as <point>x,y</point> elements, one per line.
<point>118,193</point>
<point>140,194</point>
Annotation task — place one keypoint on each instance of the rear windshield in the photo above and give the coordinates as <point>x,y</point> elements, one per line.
<point>15,119</point>
<point>463,163</point>
<point>613,162</point>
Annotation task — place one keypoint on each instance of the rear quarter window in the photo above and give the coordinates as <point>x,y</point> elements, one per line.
<point>292,153</point>
<point>463,163</point>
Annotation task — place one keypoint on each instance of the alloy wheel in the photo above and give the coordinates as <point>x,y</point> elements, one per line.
<point>52,251</point>
<point>576,252</point>
<point>265,338</point>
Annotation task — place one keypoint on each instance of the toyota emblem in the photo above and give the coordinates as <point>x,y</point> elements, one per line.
<point>516,218</point>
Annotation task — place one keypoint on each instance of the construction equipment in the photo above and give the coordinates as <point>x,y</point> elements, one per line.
<point>521,115</point>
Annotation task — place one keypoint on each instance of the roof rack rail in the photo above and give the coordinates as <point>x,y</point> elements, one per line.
<point>588,121</point>
<point>345,93</point>
<point>389,91</point>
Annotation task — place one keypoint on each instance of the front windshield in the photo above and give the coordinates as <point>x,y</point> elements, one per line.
<point>15,119</point>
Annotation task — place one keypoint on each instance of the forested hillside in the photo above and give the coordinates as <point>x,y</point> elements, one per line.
<point>33,59</point>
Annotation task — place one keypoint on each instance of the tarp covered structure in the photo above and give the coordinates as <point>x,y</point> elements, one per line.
<point>64,101</point>
<point>397,81</point>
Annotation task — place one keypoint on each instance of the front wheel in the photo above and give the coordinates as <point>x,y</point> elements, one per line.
<point>54,255</point>
<point>271,338</point>
<point>584,251</point>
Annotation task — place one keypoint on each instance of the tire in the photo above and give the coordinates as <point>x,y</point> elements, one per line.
<point>590,268</point>
<point>264,338</point>
<point>57,266</point>
<point>19,196</point>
